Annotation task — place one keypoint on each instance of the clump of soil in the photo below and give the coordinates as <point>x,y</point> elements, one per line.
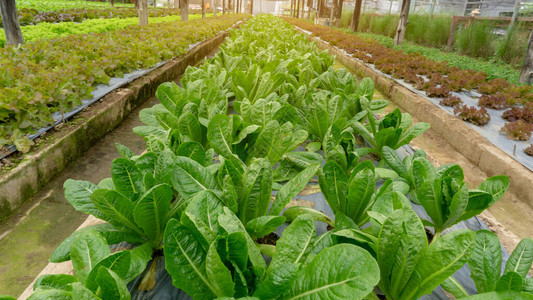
<point>270,239</point>
<point>429,235</point>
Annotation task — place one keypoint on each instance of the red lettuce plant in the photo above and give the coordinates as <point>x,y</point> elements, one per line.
<point>472,114</point>
<point>518,130</point>
<point>451,101</point>
<point>493,101</point>
<point>441,91</point>
<point>519,113</point>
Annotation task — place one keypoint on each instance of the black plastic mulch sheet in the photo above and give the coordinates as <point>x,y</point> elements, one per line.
<point>165,290</point>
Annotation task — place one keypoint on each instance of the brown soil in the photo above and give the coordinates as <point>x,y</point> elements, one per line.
<point>270,239</point>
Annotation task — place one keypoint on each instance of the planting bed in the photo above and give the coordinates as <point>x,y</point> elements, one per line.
<point>435,81</point>
<point>47,31</point>
<point>25,174</point>
<point>217,181</point>
<point>32,16</point>
<point>45,77</point>
<point>482,153</point>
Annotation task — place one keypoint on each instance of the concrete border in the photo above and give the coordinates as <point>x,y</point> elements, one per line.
<point>40,166</point>
<point>471,144</point>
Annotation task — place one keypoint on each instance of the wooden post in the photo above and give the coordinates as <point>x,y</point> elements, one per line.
<point>155,3</point>
<point>184,5</point>
<point>223,7</point>
<point>298,8</point>
<point>309,6</point>
<point>252,7</point>
<point>293,5</point>
<point>432,9</point>
<point>390,7</point>
<point>8,9</point>
<point>112,2</point>
<point>356,15</point>
<point>332,14</point>
<point>143,12</point>
<point>449,45</point>
<point>339,13</point>
<point>526,74</point>
<point>203,9</point>
<point>515,13</point>
<point>214,3</point>
<point>402,23</point>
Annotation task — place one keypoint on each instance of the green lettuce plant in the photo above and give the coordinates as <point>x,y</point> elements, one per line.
<point>99,274</point>
<point>485,265</point>
<point>448,201</point>
<point>137,201</point>
<point>231,265</point>
<point>392,130</point>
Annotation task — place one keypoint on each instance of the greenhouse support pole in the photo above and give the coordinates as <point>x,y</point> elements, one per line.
<point>390,7</point>
<point>309,7</point>
<point>214,3</point>
<point>526,74</point>
<point>402,23</point>
<point>356,15</point>
<point>203,9</point>
<point>449,45</point>
<point>184,4</point>
<point>8,9</point>
<point>143,12</point>
<point>298,8</point>
<point>339,13</point>
<point>516,10</point>
<point>223,7</point>
<point>252,7</point>
<point>432,8</point>
<point>332,14</point>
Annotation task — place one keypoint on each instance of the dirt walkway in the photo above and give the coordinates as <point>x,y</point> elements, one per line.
<point>31,234</point>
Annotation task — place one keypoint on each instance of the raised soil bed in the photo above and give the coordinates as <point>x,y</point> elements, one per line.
<point>66,144</point>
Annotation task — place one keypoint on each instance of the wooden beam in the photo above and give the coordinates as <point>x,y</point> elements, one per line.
<point>402,23</point>
<point>526,74</point>
<point>356,15</point>
<point>8,9</point>
<point>143,12</point>
<point>184,6</point>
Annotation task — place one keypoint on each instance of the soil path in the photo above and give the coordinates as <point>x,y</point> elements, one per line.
<point>31,234</point>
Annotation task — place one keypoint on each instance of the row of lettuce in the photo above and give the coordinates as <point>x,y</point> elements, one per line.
<point>202,195</point>
<point>59,5</point>
<point>438,80</point>
<point>47,31</point>
<point>44,77</point>
<point>32,16</point>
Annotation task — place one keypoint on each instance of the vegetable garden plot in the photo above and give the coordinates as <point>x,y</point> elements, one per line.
<point>37,83</point>
<point>209,218</point>
<point>436,81</point>
<point>32,16</point>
